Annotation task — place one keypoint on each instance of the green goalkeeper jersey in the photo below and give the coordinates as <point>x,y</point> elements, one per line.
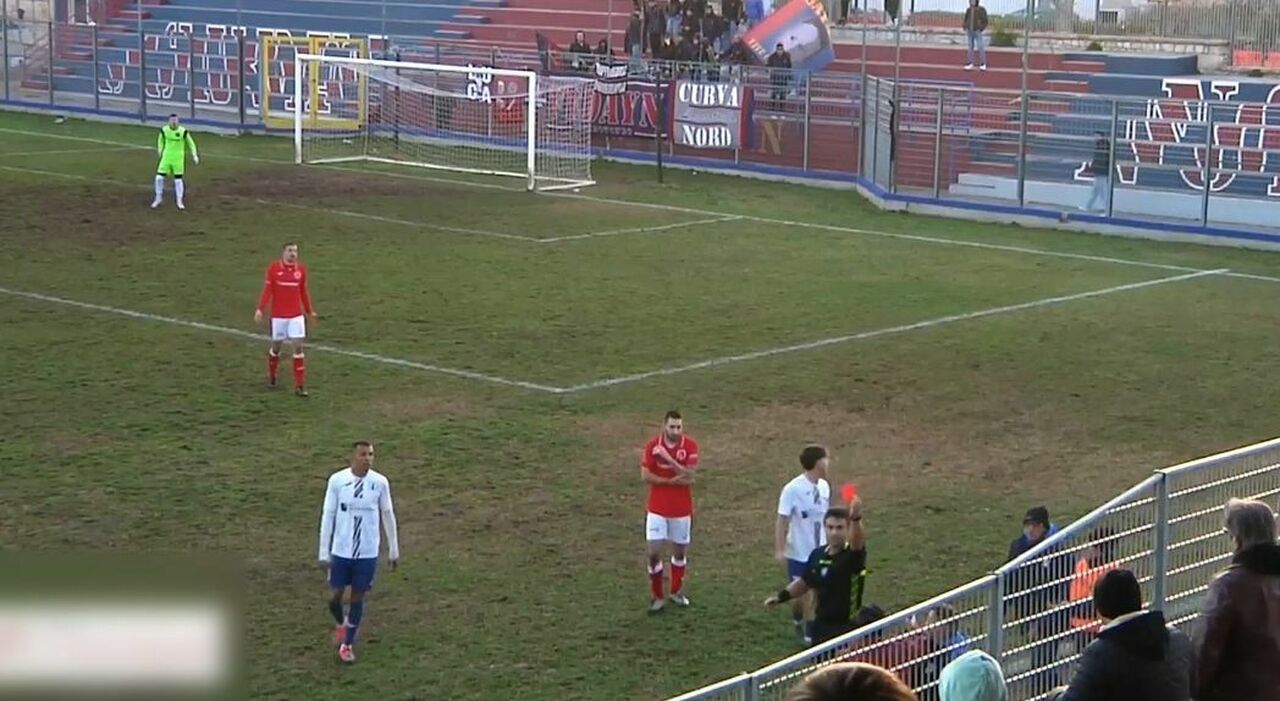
<point>173,142</point>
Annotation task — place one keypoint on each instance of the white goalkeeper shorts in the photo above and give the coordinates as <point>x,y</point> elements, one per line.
<point>676,530</point>
<point>288,329</point>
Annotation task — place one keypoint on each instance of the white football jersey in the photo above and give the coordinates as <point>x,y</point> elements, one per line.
<point>804,503</point>
<point>350,520</point>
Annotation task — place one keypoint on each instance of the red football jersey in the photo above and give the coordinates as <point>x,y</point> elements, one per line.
<point>670,500</point>
<point>285,290</point>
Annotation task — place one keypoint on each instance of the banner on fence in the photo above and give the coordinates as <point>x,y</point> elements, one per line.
<point>801,28</point>
<point>711,115</point>
<point>634,112</point>
<point>611,79</point>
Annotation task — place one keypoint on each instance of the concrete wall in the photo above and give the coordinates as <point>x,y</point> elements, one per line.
<point>33,10</point>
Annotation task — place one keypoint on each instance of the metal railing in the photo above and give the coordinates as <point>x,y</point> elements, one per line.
<point>1035,613</point>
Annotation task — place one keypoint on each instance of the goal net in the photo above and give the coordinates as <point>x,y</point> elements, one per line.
<point>468,119</point>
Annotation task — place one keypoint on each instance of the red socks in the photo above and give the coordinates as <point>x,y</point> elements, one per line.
<point>677,575</point>
<point>273,364</point>
<point>656,586</point>
<point>299,370</point>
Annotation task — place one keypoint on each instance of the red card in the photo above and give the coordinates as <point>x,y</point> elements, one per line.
<point>849,491</point>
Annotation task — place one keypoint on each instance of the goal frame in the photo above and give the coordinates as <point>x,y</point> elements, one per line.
<point>531,115</point>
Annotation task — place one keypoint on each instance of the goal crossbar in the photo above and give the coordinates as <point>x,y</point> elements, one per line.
<point>424,120</point>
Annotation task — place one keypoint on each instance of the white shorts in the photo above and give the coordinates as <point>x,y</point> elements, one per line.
<point>675,530</point>
<point>285,329</point>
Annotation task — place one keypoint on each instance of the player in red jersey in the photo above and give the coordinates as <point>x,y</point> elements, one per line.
<point>285,290</point>
<point>667,466</point>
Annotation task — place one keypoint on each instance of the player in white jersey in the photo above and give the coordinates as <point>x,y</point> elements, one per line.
<point>799,529</point>
<point>356,500</point>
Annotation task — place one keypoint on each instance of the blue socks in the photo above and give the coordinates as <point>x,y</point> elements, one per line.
<point>354,613</point>
<point>335,608</point>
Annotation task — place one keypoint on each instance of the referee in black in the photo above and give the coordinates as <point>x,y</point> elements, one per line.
<point>836,571</point>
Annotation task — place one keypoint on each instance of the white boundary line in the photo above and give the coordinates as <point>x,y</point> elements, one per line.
<point>226,331</point>
<point>639,229</point>
<point>636,377</point>
<point>65,151</point>
<point>708,213</point>
<point>889,331</point>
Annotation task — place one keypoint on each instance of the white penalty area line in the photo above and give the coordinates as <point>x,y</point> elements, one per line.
<point>624,379</point>
<point>640,229</point>
<point>227,331</point>
<point>1009,248</point>
<point>889,331</point>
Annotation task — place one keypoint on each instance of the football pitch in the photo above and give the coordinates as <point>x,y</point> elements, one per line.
<point>509,353</point>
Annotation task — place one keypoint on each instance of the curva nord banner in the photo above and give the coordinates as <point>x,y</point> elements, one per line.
<point>711,115</point>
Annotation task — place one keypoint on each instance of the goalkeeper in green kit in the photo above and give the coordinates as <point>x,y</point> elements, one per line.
<point>172,144</point>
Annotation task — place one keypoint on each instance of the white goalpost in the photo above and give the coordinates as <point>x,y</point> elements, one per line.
<point>468,119</point>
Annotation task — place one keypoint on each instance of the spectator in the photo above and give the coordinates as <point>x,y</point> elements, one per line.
<point>836,572</point>
<point>1039,586</point>
<point>755,11</point>
<point>674,14</point>
<point>1035,528</point>
<point>973,676</point>
<point>851,681</point>
<point>1100,167</point>
<point>891,8</point>
<point>655,26</point>
<point>1096,560</point>
<point>713,29</point>
<point>1136,657</point>
<point>1238,637</point>
<point>603,49</point>
<point>579,51</point>
<point>734,15</point>
<point>635,37</point>
<point>668,51</point>
<point>685,54</point>
<point>975,27</point>
<point>689,25</point>
<point>779,75</point>
<point>952,641</point>
<point>844,11</point>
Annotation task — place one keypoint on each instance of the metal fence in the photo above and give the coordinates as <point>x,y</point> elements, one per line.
<point>1035,614</point>
<point>1176,160</point>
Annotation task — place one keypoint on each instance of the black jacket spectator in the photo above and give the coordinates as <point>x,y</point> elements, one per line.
<point>579,52</point>
<point>1136,657</point>
<point>779,59</point>
<point>1238,634</point>
<point>733,10</point>
<point>1101,164</point>
<point>690,24</point>
<point>975,18</point>
<point>655,26</point>
<point>635,32</point>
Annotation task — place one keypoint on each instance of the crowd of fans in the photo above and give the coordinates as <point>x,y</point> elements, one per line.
<point>690,35</point>
<point>1126,651</point>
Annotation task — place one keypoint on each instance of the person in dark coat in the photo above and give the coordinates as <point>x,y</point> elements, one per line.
<point>1136,656</point>
<point>1238,634</point>
<point>1100,167</point>
<point>655,20</point>
<point>635,36</point>
<point>780,75</point>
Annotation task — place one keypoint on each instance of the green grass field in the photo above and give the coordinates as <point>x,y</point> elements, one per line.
<point>966,383</point>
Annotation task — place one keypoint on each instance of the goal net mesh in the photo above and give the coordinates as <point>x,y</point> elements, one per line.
<point>466,119</point>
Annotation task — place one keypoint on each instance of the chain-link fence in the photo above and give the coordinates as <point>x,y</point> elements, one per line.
<point>1035,614</point>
